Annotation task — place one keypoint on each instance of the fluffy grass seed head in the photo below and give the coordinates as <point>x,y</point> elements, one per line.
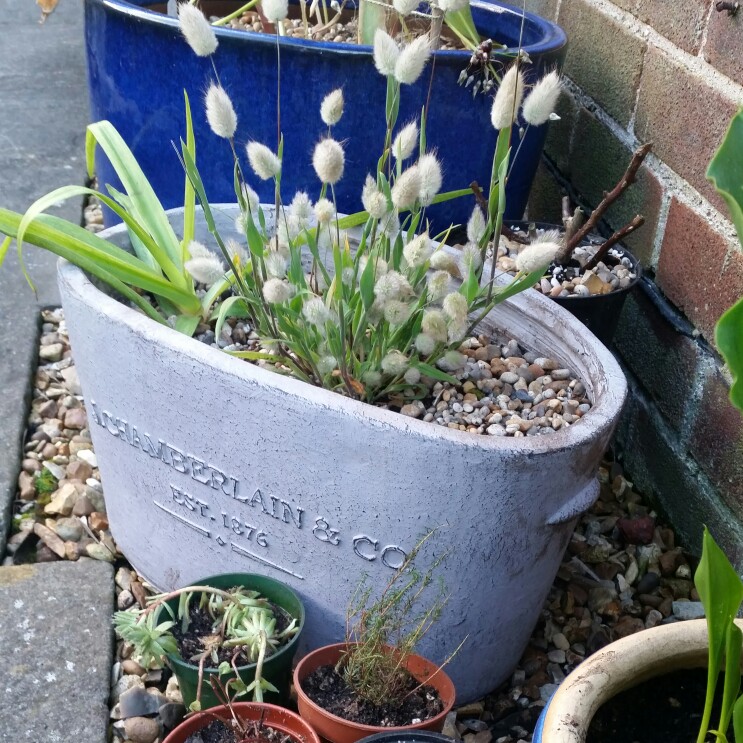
<point>207,269</point>
<point>418,250</point>
<point>301,207</point>
<point>405,7</point>
<point>197,31</point>
<point>476,226</point>
<point>380,265</point>
<point>452,6</point>
<point>397,312</point>
<point>328,161</point>
<point>406,141</point>
<point>438,285</point>
<point>455,306</point>
<point>386,53</point>
<point>389,224</point>
<point>434,325</point>
<point>372,199</point>
<point>198,250</point>
<point>412,59</point>
<point>537,255</point>
<point>277,291</point>
<point>412,375</point>
<point>431,178</point>
<point>326,364</point>
<point>265,164</point>
<point>425,344</point>
<point>508,99</point>
<point>452,361</point>
<point>324,211</point>
<point>316,313</point>
<point>395,363</point>
<point>541,101</point>
<point>288,230</point>
<point>470,260</point>
<point>443,261</point>
<point>252,199</point>
<point>406,189</point>
<point>331,108</point>
<point>275,10</point>
<point>457,330</point>
<point>236,251</point>
<point>392,285</point>
<point>372,378</point>
<point>220,113</point>
<point>276,264</point>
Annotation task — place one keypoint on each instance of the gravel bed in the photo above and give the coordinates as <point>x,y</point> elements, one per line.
<point>622,571</point>
<point>573,280</point>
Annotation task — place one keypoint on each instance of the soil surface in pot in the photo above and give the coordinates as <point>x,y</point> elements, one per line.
<point>192,642</point>
<point>574,280</point>
<point>340,27</point>
<point>667,708</point>
<point>220,732</point>
<point>326,688</point>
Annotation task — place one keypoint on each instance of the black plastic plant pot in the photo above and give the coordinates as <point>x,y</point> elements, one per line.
<point>277,668</point>
<point>407,736</point>
<point>600,312</point>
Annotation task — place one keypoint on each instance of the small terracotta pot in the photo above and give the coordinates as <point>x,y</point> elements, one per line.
<point>338,730</point>
<point>276,717</point>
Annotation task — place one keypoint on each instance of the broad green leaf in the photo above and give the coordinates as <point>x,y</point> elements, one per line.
<point>726,174</point>
<point>721,592</point>
<point>463,25</point>
<point>187,324</point>
<point>434,373</point>
<point>731,688</point>
<point>366,284</point>
<point>738,719</point>
<point>371,17</point>
<point>147,207</point>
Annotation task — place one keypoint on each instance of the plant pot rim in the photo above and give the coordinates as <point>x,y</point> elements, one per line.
<point>605,404</point>
<point>618,666</point>
<point>636,267</point>
<point>553,35</point>
<point>441,682</point>
<point>289,646</point>
<point>222,712</point>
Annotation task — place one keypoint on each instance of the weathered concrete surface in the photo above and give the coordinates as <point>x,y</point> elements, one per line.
<point>56,652</point>
<point>42,131</point>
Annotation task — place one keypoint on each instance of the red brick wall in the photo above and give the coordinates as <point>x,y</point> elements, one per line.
<point>668,72</point>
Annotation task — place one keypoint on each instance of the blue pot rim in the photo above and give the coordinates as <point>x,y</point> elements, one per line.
<point>553,36</point>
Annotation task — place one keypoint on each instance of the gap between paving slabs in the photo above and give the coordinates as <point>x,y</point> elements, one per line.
<point>621,573</point>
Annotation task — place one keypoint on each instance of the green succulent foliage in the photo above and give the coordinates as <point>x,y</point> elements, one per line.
<point>721,592</point>
<point>45,483</point>
<point>152,642</point>
<point>726,174</point>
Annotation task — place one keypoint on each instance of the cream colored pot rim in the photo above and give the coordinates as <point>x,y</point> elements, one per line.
<point>619,666</point>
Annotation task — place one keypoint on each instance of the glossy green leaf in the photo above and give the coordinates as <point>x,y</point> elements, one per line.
<point>721,592</point>
<point>731,688</point>
<point>738,719</point>
<point>726,174</point>
<point>434,373</point>
<point>231,307</point>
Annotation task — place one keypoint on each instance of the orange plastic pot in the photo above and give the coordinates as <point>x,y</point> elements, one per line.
<point>336,729</point>
<point>276,717</point>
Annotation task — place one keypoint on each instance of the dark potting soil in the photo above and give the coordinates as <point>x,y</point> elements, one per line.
<point>666,709</point>
<point>201,626</point>
<point>326,688</point>
<point>218,731</point>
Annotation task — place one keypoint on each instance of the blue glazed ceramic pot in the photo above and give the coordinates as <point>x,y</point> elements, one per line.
<point>139,65</point>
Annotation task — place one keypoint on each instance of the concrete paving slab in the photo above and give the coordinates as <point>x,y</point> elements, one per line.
<point>57,650</point>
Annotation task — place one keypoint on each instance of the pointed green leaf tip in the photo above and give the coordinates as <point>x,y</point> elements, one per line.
<point>726,174</point>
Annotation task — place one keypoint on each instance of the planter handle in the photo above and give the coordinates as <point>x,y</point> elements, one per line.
<point>577,505</point>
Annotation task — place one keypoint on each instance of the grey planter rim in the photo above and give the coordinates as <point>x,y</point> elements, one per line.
<point>600,418</point>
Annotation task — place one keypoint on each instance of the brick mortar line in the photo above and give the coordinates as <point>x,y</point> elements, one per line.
<point>706,365</point>
<point>706,490</point>
<point>660,229</point>
<point>693,63</point>
<point>705,30</point>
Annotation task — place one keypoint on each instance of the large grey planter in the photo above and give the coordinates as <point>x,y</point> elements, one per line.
<point>212,465</point>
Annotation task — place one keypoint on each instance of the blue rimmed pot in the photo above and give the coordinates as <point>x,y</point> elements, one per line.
<point>139,65</point>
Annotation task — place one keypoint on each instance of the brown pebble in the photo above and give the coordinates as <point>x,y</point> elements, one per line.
<point>98,521</point>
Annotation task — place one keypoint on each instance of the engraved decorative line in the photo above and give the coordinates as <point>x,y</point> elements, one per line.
<point>248,553</point>
<point>180,518</point>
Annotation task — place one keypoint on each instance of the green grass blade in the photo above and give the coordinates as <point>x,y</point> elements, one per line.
<point>463,25</point>
<point>738,719</point>
<point>147,207</point>
<point>189,195</point>
<point>731,687</point>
